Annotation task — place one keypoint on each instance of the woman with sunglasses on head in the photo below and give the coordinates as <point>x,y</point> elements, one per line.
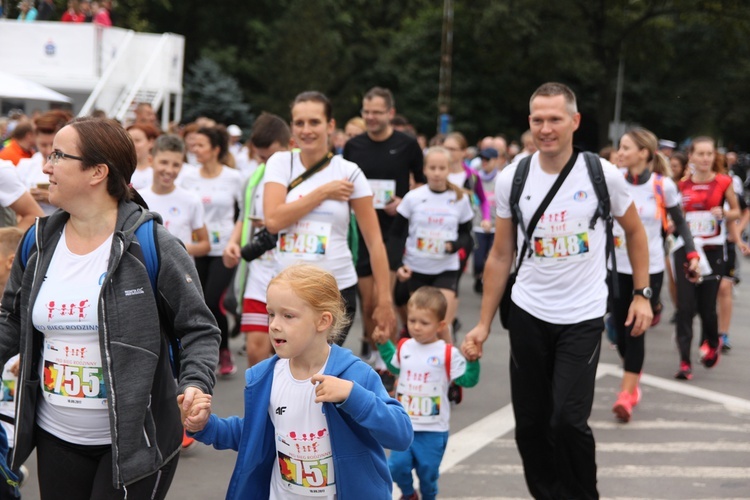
<point>97,395</point>
<point>655,196</point>
<point>704,192</point>
<point>308,198</point>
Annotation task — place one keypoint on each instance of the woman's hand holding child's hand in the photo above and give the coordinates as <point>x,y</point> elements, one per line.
<point>331,389</point>
<point>195,417</point>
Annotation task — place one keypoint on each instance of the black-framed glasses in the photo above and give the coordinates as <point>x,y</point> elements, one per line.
<point>55,157</point>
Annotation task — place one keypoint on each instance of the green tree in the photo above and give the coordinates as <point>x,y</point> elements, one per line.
<point>210,92</point>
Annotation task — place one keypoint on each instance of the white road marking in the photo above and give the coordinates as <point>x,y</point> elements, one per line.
<point>638,448</point>
<point>621,471</point>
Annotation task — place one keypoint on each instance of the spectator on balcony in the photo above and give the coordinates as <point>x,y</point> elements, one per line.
<point>46,10</point>
<point>73,13</point>
<point>28,12</point>
<point>88,15</point>
<point>101,14</point>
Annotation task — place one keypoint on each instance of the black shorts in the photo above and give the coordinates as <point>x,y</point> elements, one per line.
<point>447,280</point>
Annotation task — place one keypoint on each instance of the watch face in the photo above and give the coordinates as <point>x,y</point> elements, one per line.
<point>647,292</point>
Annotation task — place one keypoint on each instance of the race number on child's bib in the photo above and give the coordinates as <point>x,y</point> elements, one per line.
<point>73,375</point>
<point>306,239</point>
<point>561,241</point>
<point>702,223</point>
<point>422,409</point>
<point>383,191</point>
<point>431,243</point>
<point>305,463</point>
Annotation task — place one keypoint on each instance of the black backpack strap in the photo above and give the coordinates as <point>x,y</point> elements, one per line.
<point>603,211</point>
<point>519,180</point>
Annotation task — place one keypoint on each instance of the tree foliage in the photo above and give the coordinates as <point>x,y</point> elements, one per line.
<point>687,62</point>
<point>210,92</point>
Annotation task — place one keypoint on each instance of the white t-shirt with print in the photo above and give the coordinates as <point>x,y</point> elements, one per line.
<point>8,399</point>
<point>564,282</point>
<point>423,383</point>
<point>433,220</point>
<point>141,179</point>
<point>11,187</point>
<point>644,197</point>
<point>320,236</point>
<point>73,404</point>
<point>181,211</point>
<point>219,196</point>
<point>304,465</point>
<point>31,174</point>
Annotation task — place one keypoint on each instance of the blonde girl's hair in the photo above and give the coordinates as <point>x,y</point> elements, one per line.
<point>430,299</point>
<point>459,138</point>
<point>645,139</point>
<point>319,289</point>
<point>442,151</point>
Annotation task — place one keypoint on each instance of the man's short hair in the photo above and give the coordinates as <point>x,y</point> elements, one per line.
<point>551,89</point>
<point>22,130</point>
<point>168,143</point>
<point>430,298</point>
<point>386,94</point>
<point>269,128</point>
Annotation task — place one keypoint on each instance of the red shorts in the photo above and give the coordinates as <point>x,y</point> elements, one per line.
<point>254,316</point>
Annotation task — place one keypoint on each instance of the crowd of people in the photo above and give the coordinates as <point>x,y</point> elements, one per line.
<point>77,11</point>
<point>201,236</point>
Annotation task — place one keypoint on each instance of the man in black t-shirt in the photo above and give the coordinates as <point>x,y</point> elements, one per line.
<point>388,158</point>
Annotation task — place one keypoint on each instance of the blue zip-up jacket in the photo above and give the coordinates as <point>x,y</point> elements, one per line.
<point>360,428</point>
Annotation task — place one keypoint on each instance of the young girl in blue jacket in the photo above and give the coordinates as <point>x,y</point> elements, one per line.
<point>316,417</point>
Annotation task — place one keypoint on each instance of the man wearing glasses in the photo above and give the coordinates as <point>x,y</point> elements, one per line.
<point>388,158</point>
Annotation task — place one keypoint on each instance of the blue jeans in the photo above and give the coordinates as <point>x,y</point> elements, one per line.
<point>482,250</point>
<point>424,455</point>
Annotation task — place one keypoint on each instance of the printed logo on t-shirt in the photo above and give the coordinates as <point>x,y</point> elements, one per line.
<point>580,196</point>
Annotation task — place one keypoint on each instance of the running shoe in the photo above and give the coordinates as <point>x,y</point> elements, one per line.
<point>23,475</point>
<point>226,363</point>
<point>635,396</point>
<point>710,357</point>
<point>725,345</point>
<point>623,407</point>
<point>478,286</point>
<point>413,496</point>
<point>686,371</point>
<point>187,441</point>
<point>657,314</point>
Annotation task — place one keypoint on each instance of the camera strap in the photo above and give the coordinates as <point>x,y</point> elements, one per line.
<point>309,172</point>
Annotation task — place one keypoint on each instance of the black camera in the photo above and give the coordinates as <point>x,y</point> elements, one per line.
<point>262,242</point>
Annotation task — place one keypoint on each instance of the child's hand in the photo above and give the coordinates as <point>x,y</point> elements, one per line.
<point>403,273</point>
<point>380,336</point>
<point>14,368</point>
<point>470,350</point>
<point>195,417</point>
<point>331,389</point>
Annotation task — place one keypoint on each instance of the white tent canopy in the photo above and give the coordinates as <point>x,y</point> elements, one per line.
<point>14,87</point>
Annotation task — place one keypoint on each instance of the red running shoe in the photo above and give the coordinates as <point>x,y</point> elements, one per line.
<point>623,407</point>
<point>686,371</point>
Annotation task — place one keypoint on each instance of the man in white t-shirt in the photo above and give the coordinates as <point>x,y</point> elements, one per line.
<point>558,300</point>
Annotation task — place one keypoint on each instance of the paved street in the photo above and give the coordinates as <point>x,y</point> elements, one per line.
<point>687,440</point>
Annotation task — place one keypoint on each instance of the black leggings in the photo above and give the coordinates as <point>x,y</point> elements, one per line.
<point>632,349</point>
<point>692,298</point>
<point>215,279</point>
<point>70,471</point>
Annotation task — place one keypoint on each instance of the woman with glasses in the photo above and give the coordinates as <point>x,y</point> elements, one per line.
<point>96,391</point>
<point>311,213</point>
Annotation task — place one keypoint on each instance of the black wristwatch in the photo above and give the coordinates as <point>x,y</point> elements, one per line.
<point>644,292</point>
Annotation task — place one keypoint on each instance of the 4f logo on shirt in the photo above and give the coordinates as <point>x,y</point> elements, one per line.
<point>280,410</point>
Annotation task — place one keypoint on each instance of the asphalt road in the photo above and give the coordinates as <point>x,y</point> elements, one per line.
<point>687,440</point>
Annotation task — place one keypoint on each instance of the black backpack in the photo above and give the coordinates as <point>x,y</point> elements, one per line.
<point>596,174</point>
